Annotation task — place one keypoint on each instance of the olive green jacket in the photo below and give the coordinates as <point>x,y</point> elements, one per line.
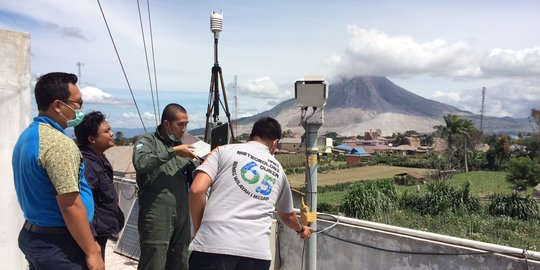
<point>158,167</point>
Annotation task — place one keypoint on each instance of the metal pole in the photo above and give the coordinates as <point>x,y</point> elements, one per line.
<point>312,150</point>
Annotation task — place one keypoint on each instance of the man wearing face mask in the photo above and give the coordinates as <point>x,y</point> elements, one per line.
<point>49,180</point>
<point>161,160</point>
<point>232,227</point>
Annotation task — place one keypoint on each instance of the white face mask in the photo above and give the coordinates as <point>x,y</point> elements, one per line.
<point>171,136</point>
<point>79,116</point>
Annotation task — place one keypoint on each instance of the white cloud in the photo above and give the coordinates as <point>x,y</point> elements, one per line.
<point>262,87</point>
<point>514,98</point>
<point>371,52</point>
<point>146,116</point>
<point>512,63</point>
<point>93,95</point>
<point>453,96</point>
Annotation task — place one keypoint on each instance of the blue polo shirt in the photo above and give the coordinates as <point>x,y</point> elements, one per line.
<point>47,163</point>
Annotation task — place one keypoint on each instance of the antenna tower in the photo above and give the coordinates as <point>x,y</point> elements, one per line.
<point>79,65</point>
<point>482,111</point>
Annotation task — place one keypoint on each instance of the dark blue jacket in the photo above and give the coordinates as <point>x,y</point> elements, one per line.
<point>108,218</point>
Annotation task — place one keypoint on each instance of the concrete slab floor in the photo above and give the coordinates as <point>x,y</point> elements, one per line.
<point>115,261</point>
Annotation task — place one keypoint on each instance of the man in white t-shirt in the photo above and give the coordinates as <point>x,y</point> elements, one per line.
<point>232,227</point>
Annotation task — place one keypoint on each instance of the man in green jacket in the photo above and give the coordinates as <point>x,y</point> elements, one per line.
<point>163,164</point>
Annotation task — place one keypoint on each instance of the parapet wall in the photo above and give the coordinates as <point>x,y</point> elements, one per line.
<point>355,244</point>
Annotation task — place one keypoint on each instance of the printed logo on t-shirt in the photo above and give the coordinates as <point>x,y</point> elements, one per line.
<point>255,178</point>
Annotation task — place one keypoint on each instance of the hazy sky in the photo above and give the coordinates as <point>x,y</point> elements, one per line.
<point>441,50</point>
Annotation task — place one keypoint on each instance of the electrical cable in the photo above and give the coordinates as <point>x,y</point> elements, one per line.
<point>153,59</point>
<point>329,227</point>
<point>121,65</point>
<point>147,63</point>
<point>302,257</point>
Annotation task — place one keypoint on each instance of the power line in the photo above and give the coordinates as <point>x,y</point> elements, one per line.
<point>153,58</point>
<point>147,63</point>
<point>121,65</point>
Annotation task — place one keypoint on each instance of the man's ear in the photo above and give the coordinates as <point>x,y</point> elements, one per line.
<point>56,105</point>
<point>91,139</point>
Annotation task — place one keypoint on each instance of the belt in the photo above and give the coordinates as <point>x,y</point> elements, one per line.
<point>44,230</point>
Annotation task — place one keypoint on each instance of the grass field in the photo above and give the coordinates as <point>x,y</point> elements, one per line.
<point>483,183</point>
<point>354,174</point>
<point>479,226</point>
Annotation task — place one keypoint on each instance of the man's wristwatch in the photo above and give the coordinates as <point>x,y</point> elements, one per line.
<point>301,230</point>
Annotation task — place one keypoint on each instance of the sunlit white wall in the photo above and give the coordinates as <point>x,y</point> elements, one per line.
<point>15,115</point>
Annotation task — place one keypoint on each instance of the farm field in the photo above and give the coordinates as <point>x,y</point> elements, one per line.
<point>480,226</point>
<point>354,174</point>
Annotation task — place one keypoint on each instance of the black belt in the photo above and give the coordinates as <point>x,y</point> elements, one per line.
<point>44,230</point>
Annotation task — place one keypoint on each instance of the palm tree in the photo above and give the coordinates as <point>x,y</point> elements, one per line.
<point>466,129</point>
<point>456,125</point>
<point>453,125</point>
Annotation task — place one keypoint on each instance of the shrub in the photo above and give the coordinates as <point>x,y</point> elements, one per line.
<point>327,208</point>
<point>513,205</point>
<point>441,198</point>
<point>369,198</point>
<point>523,172</point>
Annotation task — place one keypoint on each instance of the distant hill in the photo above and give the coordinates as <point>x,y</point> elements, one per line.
<point>366,103</point>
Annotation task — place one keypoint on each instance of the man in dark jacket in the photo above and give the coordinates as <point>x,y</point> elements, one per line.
<point>162,162</point>
<point>94,136</point>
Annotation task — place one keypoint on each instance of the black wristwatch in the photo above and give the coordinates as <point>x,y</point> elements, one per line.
<point>301,230</point>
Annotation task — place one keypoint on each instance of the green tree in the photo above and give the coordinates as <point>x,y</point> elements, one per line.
<point>455,126</point>
<point>119,138</point>
<point>409,133</point>
<point>499,151</point>
<point>242,137</point>
<point>288,134</point>
<point>399,139</point>
<point>467,129</point>
<point>523,172</point>
<point>451,128</point>
<point>331,134</point>
<point>534,119</point>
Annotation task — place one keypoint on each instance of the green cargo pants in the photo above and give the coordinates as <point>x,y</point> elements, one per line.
<point>164,231</point>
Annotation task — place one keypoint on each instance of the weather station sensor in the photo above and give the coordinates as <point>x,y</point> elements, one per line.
<point>216,23</point>
<point>215,132</point>
<point>311,92</point>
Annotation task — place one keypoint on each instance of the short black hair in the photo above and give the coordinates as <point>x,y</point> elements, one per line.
<point>88,127</point>
<point>53,86</point>
<point>266,128</point>
<point>169,113</point>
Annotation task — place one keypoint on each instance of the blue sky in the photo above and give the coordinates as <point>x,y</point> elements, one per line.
<point>442,50</point>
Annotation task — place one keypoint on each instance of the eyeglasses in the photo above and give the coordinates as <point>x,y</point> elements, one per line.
<point>80,101</point>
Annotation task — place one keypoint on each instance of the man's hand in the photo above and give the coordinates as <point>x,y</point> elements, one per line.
<point>306,232</point>
<point>185,150</point>
<point>76,219</point>
<point>94,261</point>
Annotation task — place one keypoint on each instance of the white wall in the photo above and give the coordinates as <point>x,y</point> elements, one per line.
<point>364,237</point>
<point>15,115</point>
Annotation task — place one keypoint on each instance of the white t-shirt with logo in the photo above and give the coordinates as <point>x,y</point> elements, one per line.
<point>248,183</point>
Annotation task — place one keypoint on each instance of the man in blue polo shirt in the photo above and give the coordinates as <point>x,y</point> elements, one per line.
<point>49,180</point>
